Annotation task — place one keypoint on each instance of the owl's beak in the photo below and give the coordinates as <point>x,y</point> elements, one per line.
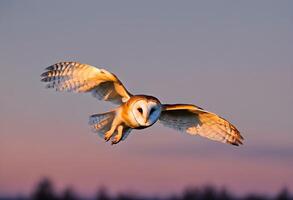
<point>146,118</point>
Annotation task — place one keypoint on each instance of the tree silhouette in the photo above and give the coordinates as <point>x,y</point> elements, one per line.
<point>103,194</point>
<point>283,195</point>
<point>209,193</point>
<point>44,191</point>
<point>191,194</point>
<point>69,194</point>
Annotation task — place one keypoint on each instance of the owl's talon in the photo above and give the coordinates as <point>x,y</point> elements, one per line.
<point>108,136</point>
<point>114,142</point>
<point>118,136</point>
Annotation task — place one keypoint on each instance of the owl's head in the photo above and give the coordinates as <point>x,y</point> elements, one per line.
<point>146,110</point>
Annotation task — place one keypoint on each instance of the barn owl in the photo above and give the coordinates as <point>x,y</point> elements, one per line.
<point>135,111</point>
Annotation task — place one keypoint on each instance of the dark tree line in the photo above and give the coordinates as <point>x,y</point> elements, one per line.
<point>45,191</point>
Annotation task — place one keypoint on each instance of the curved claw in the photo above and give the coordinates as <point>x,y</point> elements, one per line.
<point>108,135</point>
<point>113,142</point>
<point>118,136</point>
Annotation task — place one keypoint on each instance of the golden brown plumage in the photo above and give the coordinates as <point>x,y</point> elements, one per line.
<point>196,121</point>
<point>73,76</point>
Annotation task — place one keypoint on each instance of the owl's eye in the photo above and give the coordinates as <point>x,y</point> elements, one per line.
<point>152,110</point>
<point>140,110</point>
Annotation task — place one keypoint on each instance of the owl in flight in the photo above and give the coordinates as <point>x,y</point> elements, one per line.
<point>135,111</point>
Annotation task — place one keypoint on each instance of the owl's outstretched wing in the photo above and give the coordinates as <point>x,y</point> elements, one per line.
<point>77,77</point>
<point>196,121</point>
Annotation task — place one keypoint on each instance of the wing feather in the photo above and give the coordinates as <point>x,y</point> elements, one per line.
<point>77,77</point>
<point>196,121</point>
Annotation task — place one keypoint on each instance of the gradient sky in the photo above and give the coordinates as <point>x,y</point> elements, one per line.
<point>230,57</point>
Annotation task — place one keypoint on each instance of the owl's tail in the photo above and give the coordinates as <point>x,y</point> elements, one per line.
<point>101,123</point>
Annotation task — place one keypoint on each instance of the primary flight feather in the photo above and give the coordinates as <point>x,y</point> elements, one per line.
<point>135,111</point>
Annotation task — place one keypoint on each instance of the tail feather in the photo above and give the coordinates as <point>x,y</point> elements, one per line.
<point>101,123</point>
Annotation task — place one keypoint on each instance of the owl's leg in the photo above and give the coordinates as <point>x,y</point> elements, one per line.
<point>118,136</point>
<point>109,133</point>
<point>116,122</point>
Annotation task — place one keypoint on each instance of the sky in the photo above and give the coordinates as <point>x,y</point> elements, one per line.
<point>234,58</point>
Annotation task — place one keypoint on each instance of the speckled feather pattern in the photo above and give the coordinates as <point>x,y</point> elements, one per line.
<point>196,121</point>
<point>77,77</point>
